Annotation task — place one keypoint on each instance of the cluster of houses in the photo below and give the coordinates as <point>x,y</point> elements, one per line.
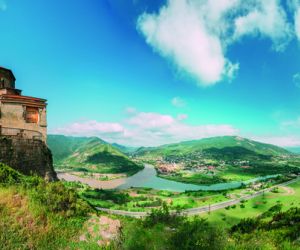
<point>195,163</point>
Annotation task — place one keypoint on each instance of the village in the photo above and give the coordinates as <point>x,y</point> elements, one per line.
<point>193,163</point>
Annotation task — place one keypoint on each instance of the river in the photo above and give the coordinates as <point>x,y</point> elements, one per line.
<point>147,178</point>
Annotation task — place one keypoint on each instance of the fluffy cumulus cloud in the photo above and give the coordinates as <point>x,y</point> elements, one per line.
<point>153,129</point>
<point>266,18</point>
<point>294,6</point>
<point>195,34</point>
<point>91,128</point>
<point>146,129</point>
<point>183,33</point>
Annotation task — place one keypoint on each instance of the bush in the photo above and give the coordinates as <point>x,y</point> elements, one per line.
<point>9,175</point>
<point>55,197</point>
<point>162,216</point>
<point>245,226</point>
<point>198,234</point>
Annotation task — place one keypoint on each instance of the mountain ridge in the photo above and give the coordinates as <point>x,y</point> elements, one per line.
<point>218,142</point>
<point>89,154</point>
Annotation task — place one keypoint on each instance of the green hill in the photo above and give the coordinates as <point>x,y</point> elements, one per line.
<point>89,154</point>
<point>215,145</point>
<point>218,159</point>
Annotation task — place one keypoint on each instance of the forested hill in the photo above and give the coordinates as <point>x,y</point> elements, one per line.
<point>89,154</point>
<point>223,144</point>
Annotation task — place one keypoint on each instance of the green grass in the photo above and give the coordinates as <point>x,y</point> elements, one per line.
<point>147,199</point>
<point>255,207</point>
<point>39,215</point>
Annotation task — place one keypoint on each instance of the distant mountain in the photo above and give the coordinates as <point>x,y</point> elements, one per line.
<point>294,149</point>
<point>124,149</point>
<point>225,145</point>
<point>89,154</point>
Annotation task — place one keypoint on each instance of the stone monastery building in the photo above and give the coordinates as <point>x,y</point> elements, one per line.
<point>20,116</point>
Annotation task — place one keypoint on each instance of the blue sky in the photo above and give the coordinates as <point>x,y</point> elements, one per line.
<point>142,73</point>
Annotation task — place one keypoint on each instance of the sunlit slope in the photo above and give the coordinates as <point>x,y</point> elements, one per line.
<point>225,145</point>
<point>89,154</point>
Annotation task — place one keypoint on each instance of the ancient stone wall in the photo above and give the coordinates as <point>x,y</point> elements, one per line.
<point>12,116</point>
<point>27,156</point>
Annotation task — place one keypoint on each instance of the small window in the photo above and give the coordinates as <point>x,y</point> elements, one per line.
<point>32,115</point>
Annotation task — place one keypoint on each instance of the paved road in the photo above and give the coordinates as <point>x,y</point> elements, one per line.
<point>199,210</point>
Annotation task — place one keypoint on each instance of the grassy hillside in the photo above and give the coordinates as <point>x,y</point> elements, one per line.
<point>89,154</point>
<point>39,215</point>
<point>214,143</point>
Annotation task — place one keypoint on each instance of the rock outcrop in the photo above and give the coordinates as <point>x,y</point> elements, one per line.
<point>28,156</point>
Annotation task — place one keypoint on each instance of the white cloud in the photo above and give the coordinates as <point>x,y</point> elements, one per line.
<point>91,128</point>
<point>282,141</point>
<point>294,6</point>
<point>146,129</point>
<point>195,34</point>
<point>185,33</point>
<point>151,120</point>
<point>296,79</point>
<point>178,102</point>
<point>297,22</point>
<point>267,18</point>
<point>153,129</point>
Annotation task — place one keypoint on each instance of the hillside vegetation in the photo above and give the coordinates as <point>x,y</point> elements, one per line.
<point>89,154</point>
<point>39,215</point>
<point>219,159</point>
<point>215,143</point>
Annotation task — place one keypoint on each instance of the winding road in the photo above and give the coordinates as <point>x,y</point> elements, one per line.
<point>204,209</point>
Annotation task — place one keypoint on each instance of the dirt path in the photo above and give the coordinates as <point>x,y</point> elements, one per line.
<point>288,190</point>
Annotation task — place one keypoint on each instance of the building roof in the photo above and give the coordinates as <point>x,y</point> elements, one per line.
<point>9,72</point>
<point>26,100</point>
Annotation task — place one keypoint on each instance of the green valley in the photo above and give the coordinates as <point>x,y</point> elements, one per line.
<point>40,215</point>
<point>219,159</point>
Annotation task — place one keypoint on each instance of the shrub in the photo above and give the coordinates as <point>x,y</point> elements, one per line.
<point>59,199</point>
<point>198,234</point>
<point>245,226</point>
<point>162,216</point>
<point>9,175</point>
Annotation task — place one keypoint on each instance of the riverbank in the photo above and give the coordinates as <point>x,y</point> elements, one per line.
<point>92,182</point>
<point>147,178</point>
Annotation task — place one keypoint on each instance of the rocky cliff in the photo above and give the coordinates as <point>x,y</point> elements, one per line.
<point>27,156</point>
